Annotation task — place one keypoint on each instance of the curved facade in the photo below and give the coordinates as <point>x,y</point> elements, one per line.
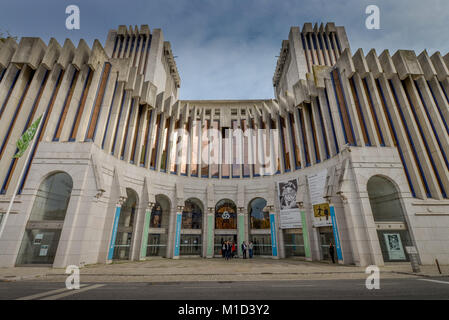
<point>353,151</point>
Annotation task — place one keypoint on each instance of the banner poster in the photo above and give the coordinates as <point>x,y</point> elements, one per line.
<point>321,210</point>
<point>290,217</point>
<point>394,246</point>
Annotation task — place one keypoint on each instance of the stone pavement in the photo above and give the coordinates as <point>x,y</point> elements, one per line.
<point>197,269</point>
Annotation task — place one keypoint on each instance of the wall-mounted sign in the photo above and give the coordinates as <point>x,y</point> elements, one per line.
<point>38,238</point>
<point>394,246</point>
<point>289,215</point>
<point>43,251</point>
<point>321,211</point>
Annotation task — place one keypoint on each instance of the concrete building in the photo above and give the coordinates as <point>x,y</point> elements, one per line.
<point>353,151</point>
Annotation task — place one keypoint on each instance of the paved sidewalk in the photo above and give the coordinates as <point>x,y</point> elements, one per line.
<point>197,269</point>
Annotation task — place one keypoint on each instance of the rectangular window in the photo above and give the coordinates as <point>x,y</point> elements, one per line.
<point>98,102</point>
<point>284,145</point>
<point>342,108</point>
<point>293,136</point>
<point>246,168</point>
<point>236,149</point>
<point>164,142</point>
<point>205,149</point>
<point>154,141</point>
<point>176,140</point>
<point>360,115</point>
<point>81,105</point>
<point>65,107</point>
<point>215,151</point>
<point>195,159</point>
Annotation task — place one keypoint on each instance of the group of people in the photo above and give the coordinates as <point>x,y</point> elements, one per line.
<point>229,249</point>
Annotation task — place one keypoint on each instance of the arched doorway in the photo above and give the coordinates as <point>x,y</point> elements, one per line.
<point>392,229</point>
<point>225,224</point>
<point>158,229</point>
<point>259,227</point>
<point>43,230</point>
<point>125,227</point>
<point>191,228</point>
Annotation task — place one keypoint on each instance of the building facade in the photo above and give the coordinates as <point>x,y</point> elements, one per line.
<point>353,151</point>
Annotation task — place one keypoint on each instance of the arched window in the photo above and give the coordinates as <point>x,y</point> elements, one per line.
<point>258,217</point>
<point>389,218</point>
<point>225,215</point>
<point>158,229</point>
<point>126,226</point>
<point>160,212</point>
<point>41,237</point>
<point>192,215</point>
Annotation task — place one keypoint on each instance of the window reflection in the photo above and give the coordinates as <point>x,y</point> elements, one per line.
<point>259,218</point>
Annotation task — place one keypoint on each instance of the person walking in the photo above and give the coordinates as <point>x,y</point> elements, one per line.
<point>228,250</point>
<point>250,249</point>
<point>244,247</point>
<point>223,249</point>
<point>233,250</point>
<point>331,252</point>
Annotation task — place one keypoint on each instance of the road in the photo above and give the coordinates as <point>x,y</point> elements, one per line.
<point>403,288</point>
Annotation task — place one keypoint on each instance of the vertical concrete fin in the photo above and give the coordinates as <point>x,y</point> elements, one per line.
<point>98,176</point>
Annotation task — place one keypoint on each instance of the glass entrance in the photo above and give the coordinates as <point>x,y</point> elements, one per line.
<point>43,230</point>
<point>157,244</point>
<point>218,242</point>
<point>261,244</point>
<point>326,237</point>
<point>125,227</point>
<point>294,243</point>
<point>190,245</point>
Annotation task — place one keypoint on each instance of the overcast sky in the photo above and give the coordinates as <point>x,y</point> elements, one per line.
<point>227,49</point>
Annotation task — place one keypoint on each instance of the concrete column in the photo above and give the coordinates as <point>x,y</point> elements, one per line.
<point>210,232</point>
<point>146,225</point>
<point>241,229</point>
<point>114,117</point>
<point>171,232</point>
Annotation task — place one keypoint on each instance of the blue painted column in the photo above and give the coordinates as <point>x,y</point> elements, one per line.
<point>114,232</point>
<point>336,235</point>
<point>177,235</point>
<point>274,240</point>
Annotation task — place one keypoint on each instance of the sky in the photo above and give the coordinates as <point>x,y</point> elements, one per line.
<point>227,49</point>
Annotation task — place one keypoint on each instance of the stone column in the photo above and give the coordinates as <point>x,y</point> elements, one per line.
<point>114,228</point>
<point>146,225</point>
<point>241,229</point>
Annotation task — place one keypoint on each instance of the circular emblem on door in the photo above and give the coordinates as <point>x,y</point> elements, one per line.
<point>225,215</point>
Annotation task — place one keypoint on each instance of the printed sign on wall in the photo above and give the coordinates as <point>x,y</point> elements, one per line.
<point>394,246</point>
<point>290,217</point>
<point>321,210</point>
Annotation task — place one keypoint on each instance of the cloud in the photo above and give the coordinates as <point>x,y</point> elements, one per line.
<point>227,49</point>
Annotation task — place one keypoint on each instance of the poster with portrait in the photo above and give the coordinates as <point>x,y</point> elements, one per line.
<point>321,210</point>
<point>290,217</point>
<point>394,246</point>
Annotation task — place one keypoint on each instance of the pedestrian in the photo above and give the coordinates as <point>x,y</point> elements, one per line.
<point>331,252</point>
<point>223,249</point>
<point>244,247</point>
<point>250,249</point>
<point>228,250</point>
<point>233,249</point>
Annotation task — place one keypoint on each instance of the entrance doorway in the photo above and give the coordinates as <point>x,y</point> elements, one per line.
<point>220,238</point>
<point>125,227</point>
<point>392,229</point>
<point>326,236</point>
<point>43,230</point>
